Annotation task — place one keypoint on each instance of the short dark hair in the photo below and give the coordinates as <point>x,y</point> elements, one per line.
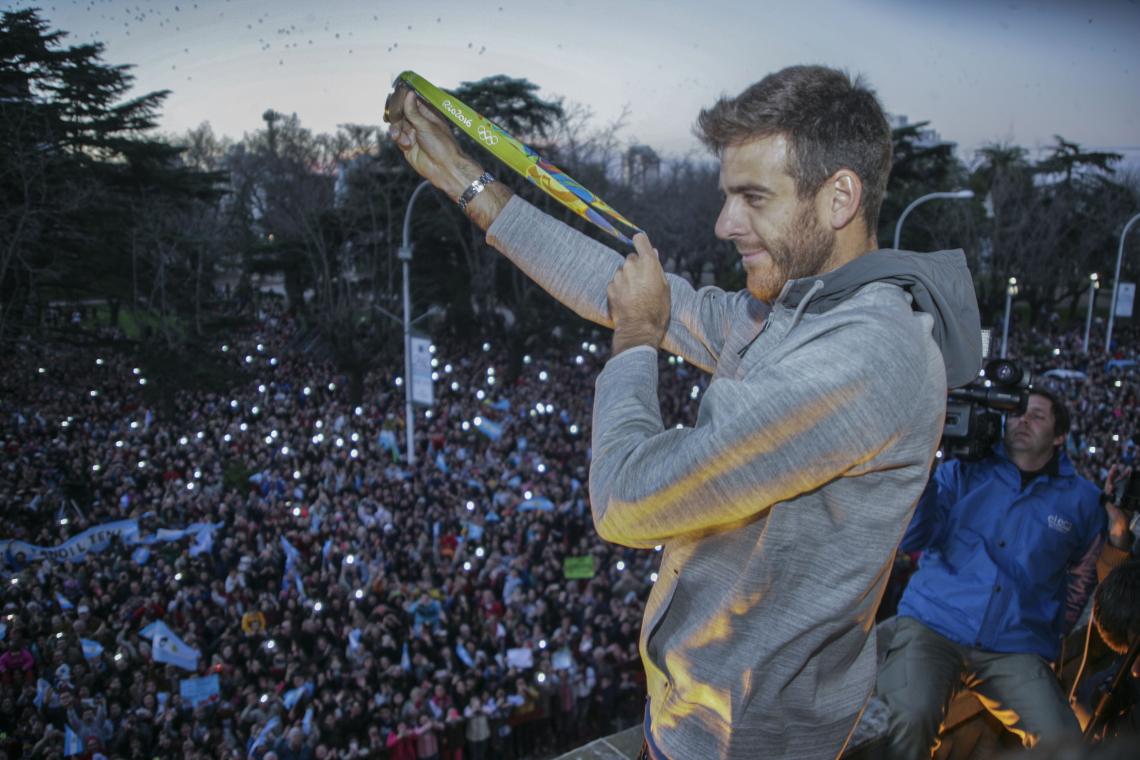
<point>1116,607</point>
<point>831,122</point>
<point>1061,419</point>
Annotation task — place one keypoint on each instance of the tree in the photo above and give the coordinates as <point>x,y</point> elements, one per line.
<point>514,105</point>
<point>1050,222</point>
<point>920,165</point>
<point>75,162</point>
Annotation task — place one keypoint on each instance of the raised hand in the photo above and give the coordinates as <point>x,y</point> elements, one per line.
<point>639,298</point>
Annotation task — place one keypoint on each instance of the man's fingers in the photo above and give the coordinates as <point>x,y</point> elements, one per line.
<point>642,245</point>
<point>419,114</point>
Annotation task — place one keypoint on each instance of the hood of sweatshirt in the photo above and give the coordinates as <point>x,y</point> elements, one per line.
<point>939,284</point>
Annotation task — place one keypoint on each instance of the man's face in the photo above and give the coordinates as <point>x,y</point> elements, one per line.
<point>779,236</point>
<point>1032,433</point>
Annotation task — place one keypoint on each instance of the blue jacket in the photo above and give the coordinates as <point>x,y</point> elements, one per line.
<point>1004,569</point>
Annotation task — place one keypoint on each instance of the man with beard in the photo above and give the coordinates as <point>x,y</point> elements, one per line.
<point>1010,546</point>
<point>780,511</point>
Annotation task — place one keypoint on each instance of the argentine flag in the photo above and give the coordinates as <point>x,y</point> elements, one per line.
<point>91,649</point>
<point>167,647</point>
<point>71,743</point>
<point>490,428</point>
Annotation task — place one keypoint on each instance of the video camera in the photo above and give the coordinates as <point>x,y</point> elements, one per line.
<point>974,412</point>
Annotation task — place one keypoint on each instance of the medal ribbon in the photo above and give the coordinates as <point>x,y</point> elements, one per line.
<point>519,157</point>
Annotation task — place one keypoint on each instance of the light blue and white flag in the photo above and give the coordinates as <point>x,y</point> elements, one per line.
<point>263,735</point>
<point>307,721</point>
<point>490,428</point>
<point>203,541</point>
<point>292,697</point>
<point>538,503</point>
<point>71,743</point>
<point>176,652</point>
<point>167,647</point>
<point>140,556</point>
<point>91,649</point>
<point>75,549</point>
<point>441,463</point>
<point>406,659</point>
<point>291,554</point>
<point>200,691</point>
<point>64,603</point>
<point>42,687</point>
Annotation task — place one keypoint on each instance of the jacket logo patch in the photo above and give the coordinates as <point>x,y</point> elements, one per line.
<point>1060,524</point>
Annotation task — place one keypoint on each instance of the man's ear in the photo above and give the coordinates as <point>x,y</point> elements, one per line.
<point>842,198</point>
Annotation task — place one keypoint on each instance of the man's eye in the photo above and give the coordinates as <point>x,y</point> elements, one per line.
<point>754,200</point>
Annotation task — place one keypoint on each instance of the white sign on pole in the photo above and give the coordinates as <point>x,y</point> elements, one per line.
<point>1125,297</point>
<point>421,372</point>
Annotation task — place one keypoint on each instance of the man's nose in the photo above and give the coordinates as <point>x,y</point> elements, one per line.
<point>729,223</point>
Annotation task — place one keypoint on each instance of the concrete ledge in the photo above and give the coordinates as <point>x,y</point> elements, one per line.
<point>620,746</point>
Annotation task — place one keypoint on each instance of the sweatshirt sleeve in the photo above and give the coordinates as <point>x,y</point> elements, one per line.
<point>822,411</point>
<point>576,270</point>
<point>933,508</point>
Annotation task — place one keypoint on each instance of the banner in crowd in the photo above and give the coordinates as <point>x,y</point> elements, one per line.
<point>91,648</point>
<point>76,548</point>
<point>578,568</point>
<point>562,660</point>
<point>200,691</point>
<point>97,538</point>
<point>520,657</point>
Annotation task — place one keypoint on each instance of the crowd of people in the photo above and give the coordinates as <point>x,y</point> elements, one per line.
<point>349,602</point>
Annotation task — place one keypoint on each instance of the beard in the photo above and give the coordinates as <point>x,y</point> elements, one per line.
<point>801,251</point>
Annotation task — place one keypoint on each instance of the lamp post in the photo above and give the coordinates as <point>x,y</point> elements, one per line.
<point>954,194</point>
<point>1094,283</point>
<point>1116,283</point>
<point>1010,292</point>
<point>405,254</point>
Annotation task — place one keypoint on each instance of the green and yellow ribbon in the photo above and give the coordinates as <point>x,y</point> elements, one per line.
<point>519,157</point>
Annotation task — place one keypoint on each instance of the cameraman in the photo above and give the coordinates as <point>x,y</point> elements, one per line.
<point>1010,546</point>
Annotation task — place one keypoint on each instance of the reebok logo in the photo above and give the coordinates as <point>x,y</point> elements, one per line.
<point>1060,524</point>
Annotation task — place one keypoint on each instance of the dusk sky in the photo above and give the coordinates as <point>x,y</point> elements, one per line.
<point>979,71</point>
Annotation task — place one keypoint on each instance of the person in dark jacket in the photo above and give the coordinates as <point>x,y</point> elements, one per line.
<point>1010,546</point>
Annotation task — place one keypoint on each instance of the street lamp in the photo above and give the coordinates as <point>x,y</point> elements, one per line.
<point>1116,283</point>
<point>405,254</point>
<point>1010,292</point>
<point>1094,283</point>
<point>954,194</point>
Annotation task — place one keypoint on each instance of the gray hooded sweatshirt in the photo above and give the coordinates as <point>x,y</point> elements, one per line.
<point>781,510</point>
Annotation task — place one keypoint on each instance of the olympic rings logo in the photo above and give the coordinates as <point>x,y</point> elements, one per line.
<point>488,136</point>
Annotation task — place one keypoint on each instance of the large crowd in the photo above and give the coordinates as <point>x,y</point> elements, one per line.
<point>341,601</point>
<point>351,604</point>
